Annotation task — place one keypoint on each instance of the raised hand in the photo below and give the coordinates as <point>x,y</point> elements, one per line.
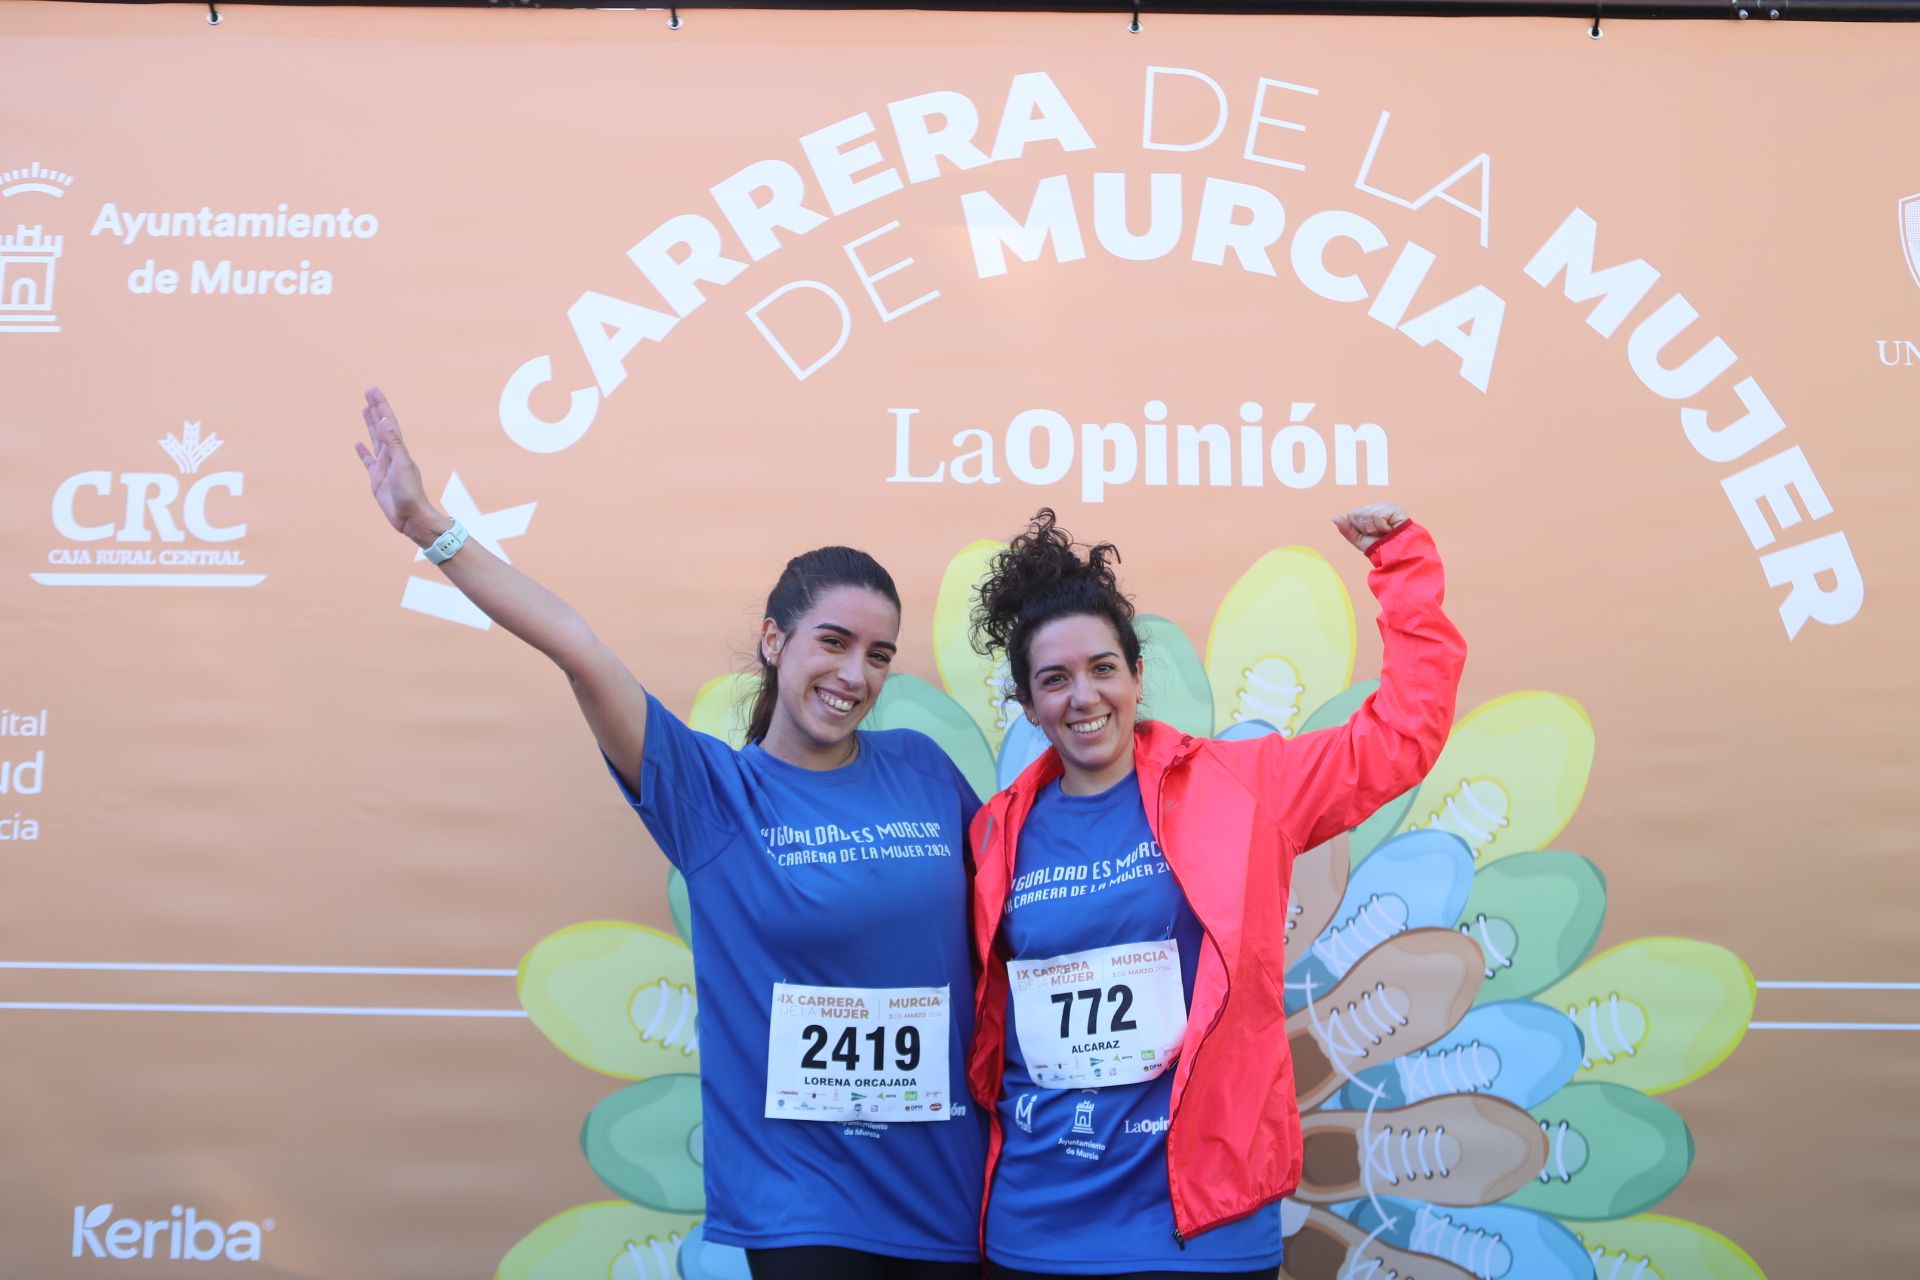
<point>1364,526</point>
<point>612,700</point>
<point>391,473</point>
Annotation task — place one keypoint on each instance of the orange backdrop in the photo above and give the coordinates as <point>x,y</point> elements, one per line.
<point>1632,324</point>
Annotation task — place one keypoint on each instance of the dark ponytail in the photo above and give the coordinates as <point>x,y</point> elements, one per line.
<point>1040,577</point>
<point>806,578</point>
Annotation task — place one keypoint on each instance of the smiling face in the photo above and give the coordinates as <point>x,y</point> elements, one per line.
<point>1083,695</point>
<point>830,668</point>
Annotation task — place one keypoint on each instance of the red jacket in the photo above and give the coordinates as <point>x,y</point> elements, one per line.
<point>1230,817</point>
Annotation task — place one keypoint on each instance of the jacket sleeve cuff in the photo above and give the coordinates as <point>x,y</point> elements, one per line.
<point>1383,546</point>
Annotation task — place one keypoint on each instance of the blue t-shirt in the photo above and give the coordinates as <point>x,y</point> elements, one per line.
<point>760,843</point>
<point>1081,1185</point>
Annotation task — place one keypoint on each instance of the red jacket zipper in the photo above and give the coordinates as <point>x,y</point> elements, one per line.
<point>1206,935</point>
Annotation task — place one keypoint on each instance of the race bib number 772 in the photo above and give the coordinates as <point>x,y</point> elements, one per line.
<point>858,1053</point>
<point>1112,1015</point>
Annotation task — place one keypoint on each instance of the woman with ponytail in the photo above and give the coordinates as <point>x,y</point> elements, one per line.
<point>827,870</point>
<point>1130,903</point>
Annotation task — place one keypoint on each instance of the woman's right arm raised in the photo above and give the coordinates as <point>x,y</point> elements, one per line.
<point>612,700</point>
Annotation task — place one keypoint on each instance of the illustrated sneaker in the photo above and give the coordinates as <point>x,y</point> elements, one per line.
<point>1657,1012</point>
<point>702,1260</point>
<point>1282,641</point>
<point>1022,745</point>
<point>1415,881</point>
<point>1535,915</point>
<point>908,702</point>
<point>1402,996</point>
<point>1496,1242</point>
<point>1613,1152</point>
<point>1458,1150</point>
<point>1516,1049</point>
<point>981,686</point>
<point>615,997</point>
<point>1511,775</point>
<point>1328,1247</point>
<point>645,1142</point>
<point>1366,837</point>
<point>722,708</point>
<point>1269,693</point>
<point>1175,682</point>
<point>679,905</point>
<point>1246,729</point>
<point>607,1238</point>
<point>1651,1246</point>
<point>1313,895</point>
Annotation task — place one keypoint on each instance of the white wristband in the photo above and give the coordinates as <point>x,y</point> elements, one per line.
<point>442,548</point>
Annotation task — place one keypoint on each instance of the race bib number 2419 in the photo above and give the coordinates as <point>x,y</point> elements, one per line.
<point>858,1053</point>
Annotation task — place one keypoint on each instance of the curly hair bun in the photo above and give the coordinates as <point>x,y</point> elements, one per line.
<point>1041,576</point>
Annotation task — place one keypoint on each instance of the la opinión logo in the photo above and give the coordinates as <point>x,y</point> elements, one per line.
<point>181,1236</point>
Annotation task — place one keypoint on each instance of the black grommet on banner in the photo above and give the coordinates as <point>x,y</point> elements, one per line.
<point>1134,26</point>
<point>1595,33</point>
<point>673,17</point>
<point>213,14</point>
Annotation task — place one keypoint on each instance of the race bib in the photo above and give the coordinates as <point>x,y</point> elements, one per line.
<point>1113,1015</point>
<point>858,1053</point>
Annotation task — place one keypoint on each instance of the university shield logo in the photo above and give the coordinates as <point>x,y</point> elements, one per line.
<point>1910,233</point>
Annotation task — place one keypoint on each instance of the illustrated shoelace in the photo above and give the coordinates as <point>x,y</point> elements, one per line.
<point>1365,1268</point>
<point>1596,1039</point>
<point>1556,1151</point>
<point>1378,919</point>
<point>1483,1253</point>
<point>664,1259</point>
<point>1371,1018</point>
<point>685,1018</point>
<point>1420,1154</point>
<point>1496,958</point>
<point>1605,1270</point>
<point>1270,692</point>
<point>1465,814</point>
<point>1465,1068</point>
<point>999,684</point>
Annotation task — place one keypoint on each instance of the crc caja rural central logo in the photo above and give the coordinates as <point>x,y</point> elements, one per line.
<point>179,528</point>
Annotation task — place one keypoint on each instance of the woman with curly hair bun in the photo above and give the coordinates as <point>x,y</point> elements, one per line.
<point>1130,904</point>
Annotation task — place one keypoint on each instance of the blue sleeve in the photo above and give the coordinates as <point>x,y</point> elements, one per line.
<point>938,764</point>
<point>969,805</point>
<point>690,788</point>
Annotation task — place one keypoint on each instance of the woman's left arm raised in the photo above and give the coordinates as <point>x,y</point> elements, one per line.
<point>1335,778</point>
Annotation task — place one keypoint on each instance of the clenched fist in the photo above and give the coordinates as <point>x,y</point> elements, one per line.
<point>1364,526</point>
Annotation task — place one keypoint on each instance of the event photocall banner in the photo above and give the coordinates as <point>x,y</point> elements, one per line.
<point>328,948</point>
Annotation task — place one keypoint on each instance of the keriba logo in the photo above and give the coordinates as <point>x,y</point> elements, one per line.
<point>183,1236</point>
